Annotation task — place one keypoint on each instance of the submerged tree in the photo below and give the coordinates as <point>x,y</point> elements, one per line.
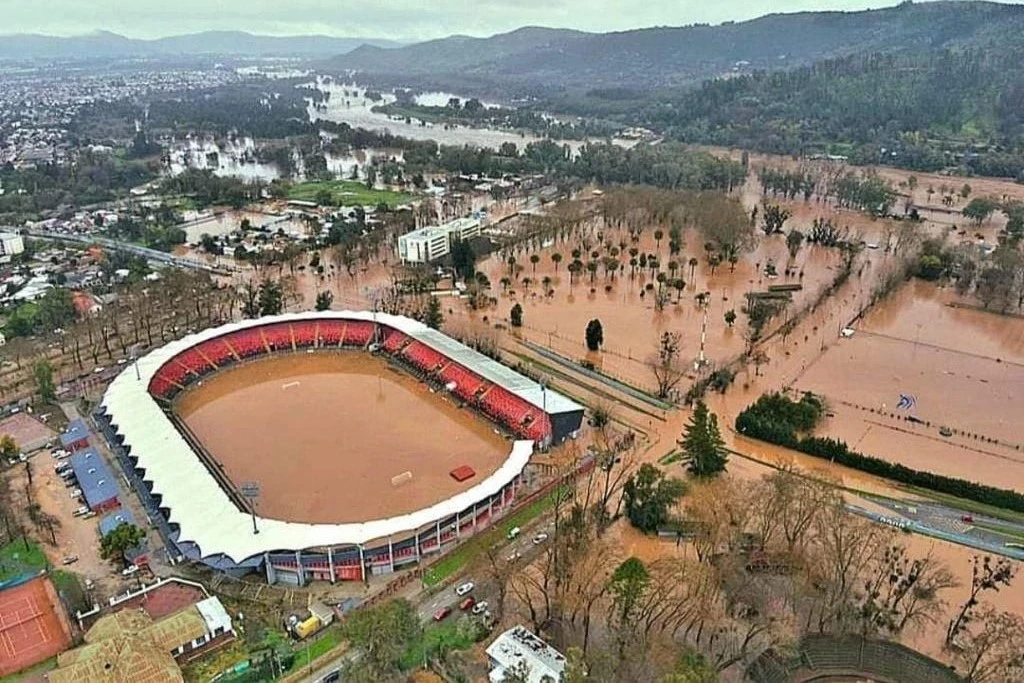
<point>704,450</point>
<point>594,335</point>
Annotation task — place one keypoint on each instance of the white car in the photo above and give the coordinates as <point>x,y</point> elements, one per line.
<point>480,607</point>
<point>75,493</point>
<point>513,533</point>
<point>540,538</point>
<point>465,588</point>
<point>514,556</point>
<point>131,569</point>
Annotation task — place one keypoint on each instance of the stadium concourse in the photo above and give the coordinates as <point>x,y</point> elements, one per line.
<point>202,514</point>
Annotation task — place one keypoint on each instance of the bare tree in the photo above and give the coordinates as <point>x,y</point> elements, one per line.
<point>666,365</point>
<point>990,649</point>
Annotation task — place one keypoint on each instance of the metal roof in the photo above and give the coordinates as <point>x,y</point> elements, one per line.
<point>94,477</point>
<point>116,519</point>
<point>76,431</point>
<point>518,646</point>
<point>202,510</point>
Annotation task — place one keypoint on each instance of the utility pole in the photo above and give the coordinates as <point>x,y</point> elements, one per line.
<point>251,491</point>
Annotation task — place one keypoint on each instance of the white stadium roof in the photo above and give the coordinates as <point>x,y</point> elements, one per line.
<point>203,511</point>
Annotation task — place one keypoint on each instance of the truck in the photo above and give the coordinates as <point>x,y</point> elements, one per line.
<point>319,616</point>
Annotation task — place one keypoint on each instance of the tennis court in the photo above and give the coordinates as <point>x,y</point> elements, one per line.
<point>32,625</point>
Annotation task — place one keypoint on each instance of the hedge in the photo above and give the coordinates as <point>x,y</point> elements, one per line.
<point>769,419</point>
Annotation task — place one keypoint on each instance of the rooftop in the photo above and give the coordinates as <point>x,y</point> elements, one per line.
<point>430,231</point>
<point>76,431</point>
<point>518,645</point>
<point>94,478</point>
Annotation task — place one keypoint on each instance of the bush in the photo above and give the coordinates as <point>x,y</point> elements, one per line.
<point>775,418</point>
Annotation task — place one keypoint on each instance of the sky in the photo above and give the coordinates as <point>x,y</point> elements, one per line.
<point>404,20</point>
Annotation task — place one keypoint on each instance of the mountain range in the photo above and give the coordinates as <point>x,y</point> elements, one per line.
<point>104,44</point>
<point>555,59</point>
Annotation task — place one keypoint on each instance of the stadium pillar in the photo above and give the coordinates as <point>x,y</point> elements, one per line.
<point>362,564</point>
<point>474,517</point>
<point>490,508</point>
<point>458,526</point>
<point>391,554</point>
<point>417,546</point>
<point>298,568</point>
<point>438,535</point>
<point>330,562</point>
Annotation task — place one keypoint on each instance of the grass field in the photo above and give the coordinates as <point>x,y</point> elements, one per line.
<point>347,193</point>
<point>328,640</point>
<point>16,560</point>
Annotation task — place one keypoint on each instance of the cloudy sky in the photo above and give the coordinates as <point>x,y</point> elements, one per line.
<point>398,19</point>
<point>406,20</point>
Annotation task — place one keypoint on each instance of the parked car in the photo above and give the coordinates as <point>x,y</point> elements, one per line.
<point>70,559</point>
<point>75,493</point>
<point>331,676</point>
<point>480,607</point>
<point>129,570</point>
<point>83,510</point>
<point>514,556</point>
<point>967,518</point>
<point>440,614</point>
<point>464,589</point>
<point>59,453</point>
<point>467,604</point>
<point>513,533</point>
<point>540,538</point>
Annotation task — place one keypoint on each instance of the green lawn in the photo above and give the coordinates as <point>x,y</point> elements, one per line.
<point>347,193</point>
<point>454,561</point>
<point>328,640</point>
<point>42,667</point>
<point>435,637</point>
<point>16,560</point>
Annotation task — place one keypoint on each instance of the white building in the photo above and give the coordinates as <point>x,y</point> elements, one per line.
<point>517,649</point>
<point>11,244</point>
<point>434,242</point>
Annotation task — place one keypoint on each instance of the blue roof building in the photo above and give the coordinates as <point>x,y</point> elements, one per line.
<point>95,479</point>
<point>76,436</point>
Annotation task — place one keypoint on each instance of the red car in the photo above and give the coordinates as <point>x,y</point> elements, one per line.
<point>968,519</point>
<point>440,614</point>
<point>467,603</point>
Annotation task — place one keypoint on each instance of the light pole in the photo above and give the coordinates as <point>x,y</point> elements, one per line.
<point>251,491</point>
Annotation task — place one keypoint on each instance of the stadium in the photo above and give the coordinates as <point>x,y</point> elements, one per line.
<point>330,445</point>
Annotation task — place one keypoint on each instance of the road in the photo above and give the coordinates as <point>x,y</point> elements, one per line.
<point>524,546</point>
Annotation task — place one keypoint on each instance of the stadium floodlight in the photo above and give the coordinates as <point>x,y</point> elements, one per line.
<point>251,491</point>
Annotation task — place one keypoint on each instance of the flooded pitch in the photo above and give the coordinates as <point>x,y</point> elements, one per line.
<point>325,434</point>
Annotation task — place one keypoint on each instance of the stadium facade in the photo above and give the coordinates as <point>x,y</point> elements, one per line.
<point>203,517</point>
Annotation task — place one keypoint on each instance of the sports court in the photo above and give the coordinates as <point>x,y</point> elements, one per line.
<point>338,437</point>
<point>32,625</point>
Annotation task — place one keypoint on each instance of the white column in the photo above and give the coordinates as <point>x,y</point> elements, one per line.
<point>458,526</point>
<point>330,562</point>
<point>439,535</point>
<point>362,564</point>
<point>391,554</point>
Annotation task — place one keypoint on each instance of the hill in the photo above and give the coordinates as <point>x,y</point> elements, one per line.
<point>549,60</point>
<point>103,44</point>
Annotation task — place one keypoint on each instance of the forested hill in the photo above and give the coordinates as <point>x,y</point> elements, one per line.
<point>547,60</point>
<point>929,111</point>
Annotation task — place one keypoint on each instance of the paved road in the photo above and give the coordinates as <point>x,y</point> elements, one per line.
<point>523,546</point>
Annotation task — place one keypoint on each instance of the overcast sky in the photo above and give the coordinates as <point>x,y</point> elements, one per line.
<point>405,20</point>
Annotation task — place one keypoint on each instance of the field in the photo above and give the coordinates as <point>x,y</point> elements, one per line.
<point>32,628</point>
<point>959,370</point>
<point>347,193</point>
<point>325,434</point>
<point>15,560</point>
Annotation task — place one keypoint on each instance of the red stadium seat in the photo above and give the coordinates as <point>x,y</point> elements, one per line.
<point>422,356</point>
<point>358,333</point>
<point>217,351</point>
<point>279,336</point>
<point>331,332</point>
<point>393,340</point>
<point>194,362</point>
<point>247,343</point>
<point>305,333</point>
<point>466,382</point>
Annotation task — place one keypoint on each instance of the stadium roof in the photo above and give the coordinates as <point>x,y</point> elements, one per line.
<point>203,511</point>
<point>94,478</point>
<point>76,431</point>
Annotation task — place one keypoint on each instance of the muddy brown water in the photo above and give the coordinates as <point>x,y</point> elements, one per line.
<point>324,434</point>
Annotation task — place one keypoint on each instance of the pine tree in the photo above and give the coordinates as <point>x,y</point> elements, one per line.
<point>704,450</point>
<point>434,317</point>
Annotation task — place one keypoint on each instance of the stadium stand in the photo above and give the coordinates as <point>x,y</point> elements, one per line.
<point>394,340</point>
<point>423,357</point>
<point>305,333</point>
<point>279,337</point>
<point>466,382</point>
<point>331,332</point>
<point>217,351</point>
<point>358,333</point>
<point>195,362</point>
<point>247,343</point>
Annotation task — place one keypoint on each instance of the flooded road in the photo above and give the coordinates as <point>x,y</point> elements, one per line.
<point>324,434</point>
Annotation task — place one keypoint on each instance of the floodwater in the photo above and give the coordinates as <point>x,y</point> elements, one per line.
<point>220,224</point>
<point>323,435</point>
<point>355,110</point>
<point>441,99</point>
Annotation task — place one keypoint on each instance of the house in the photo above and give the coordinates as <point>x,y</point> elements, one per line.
<point>76,436</point>
<point>131,647</point>
<point>518,648</point>
<point>95,479</point>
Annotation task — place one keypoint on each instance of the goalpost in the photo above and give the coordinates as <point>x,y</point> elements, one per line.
<point>403,478</point>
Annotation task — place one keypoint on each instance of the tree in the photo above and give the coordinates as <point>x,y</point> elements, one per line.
<point>979,209</point>
<point>730,317</point>
<point>8,447</point>
<point>534,260</point>
<point>990,651</point>
<point>794,240</point>
<point>703,448</point>
<point>648,495</point>
<point>692,668</point>
<point>43,373</point>
<point>773,217</point>
<point>324,300</point>
<point>628,583</point>
<point>433,318</point>
<point>463,260</point>
<point>381,634</point>
<point>271,297</point>
<point>556,258</point>
<point>666,365</point>
<point>594,335</point>
<point>515,316</point>
<point>987,574</point>
<point>123,537</point>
